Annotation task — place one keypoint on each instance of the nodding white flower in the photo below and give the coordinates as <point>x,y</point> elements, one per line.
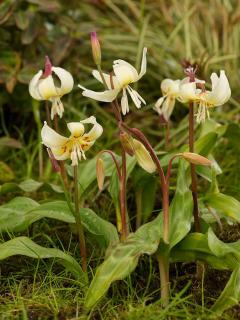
<point>124,75</point>
<point>76,145</point>
<point>42,86</point>
<point>206,99</point>
<point>165,105</point>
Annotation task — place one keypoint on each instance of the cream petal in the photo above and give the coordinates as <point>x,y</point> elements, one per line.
<point>143,157</point>
<point>76,128</point>
<point>171,87</point>
<point>124,103</point>
<point>167,107</point>
<point>96,130</point>
<point>137,99</point>
<point>159,103</point>
<point>143,64</point>
<point>60,154</point>
<point>47,88</point>
<point>221,91</point>
<point>51,138</point>
<point>188,92</point>
<point>33,90</point>
<point>104,96</point>
<point>125,72</point>
<point>66,80</point>
<point>107,78</point>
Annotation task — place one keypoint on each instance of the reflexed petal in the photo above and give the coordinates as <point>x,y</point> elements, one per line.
<point>188,92</point>
<point>124,103</point>
<point>221,91</point>
<point>66,80</point>
<point>51,138</point>
<point>96,130</point>
<point>76,128</point>
<point>143,64</point>
<point>143,157</point>
<point>33,90</point>
<point>104,96</point>
<point>106,76</point>
<point>47,88</point>
<point>167,107</point>
<point>137,99</point>
<point>125,72</point>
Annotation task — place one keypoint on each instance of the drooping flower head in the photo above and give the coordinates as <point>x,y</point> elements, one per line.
<point>165,105</point>
<point>220,94</point>
<point>124,75</point>
<point>43,86</point>
<point>76,145</point>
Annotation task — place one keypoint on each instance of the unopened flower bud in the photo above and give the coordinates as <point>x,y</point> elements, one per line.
<point>96,49</point>
<point>143,157</point>
<point>126,139</point>
<point>195,158</point>
<point>100,173</point>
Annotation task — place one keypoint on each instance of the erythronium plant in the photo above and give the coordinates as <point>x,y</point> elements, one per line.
<point>135,144</point>
<point>74,148</point>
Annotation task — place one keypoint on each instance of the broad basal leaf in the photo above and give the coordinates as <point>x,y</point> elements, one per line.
<point>19,213</point>
<point>123,259</point>
<point>26,247</point>
<point>228,206</point>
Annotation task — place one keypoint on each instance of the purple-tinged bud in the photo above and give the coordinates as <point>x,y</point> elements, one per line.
<point>47,68</point>
<point>96,49</point>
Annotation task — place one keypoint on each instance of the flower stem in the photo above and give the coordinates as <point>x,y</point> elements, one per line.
<point>124,231</point>
<point>79,225</point>
<point>164,185</point>
<point>163,265</point>
<point>193,171</point>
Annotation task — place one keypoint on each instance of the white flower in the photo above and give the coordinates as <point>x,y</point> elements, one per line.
<point>124,75</point>
<point>42,87</point>
<point>165,105</point>
<point>205,99</point>
<point>75,146</point>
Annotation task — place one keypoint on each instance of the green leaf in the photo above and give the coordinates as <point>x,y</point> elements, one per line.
<point>29,185</point>
<point>87,171</point>
<point>228,206</point>
<point>220,249</point>
<point>123,259</point>
<point>114,183</point>
<point>26,247</point>
<point>195,247</point>
<point>145,186</point>
<point>22,19</point>
<point>181,208</point>
<point>19,213</point>
<point>6,173</point>
<point>230,295</point>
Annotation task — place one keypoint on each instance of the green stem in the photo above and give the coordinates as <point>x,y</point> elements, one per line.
<point>163,264</point>
<point>79,225</point>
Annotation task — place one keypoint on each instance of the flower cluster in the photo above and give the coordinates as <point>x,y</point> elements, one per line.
<point>194,91</point>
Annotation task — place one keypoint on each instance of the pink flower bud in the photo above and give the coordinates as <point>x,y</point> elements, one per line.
<point>48,68</point>
<point>96,49</point>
